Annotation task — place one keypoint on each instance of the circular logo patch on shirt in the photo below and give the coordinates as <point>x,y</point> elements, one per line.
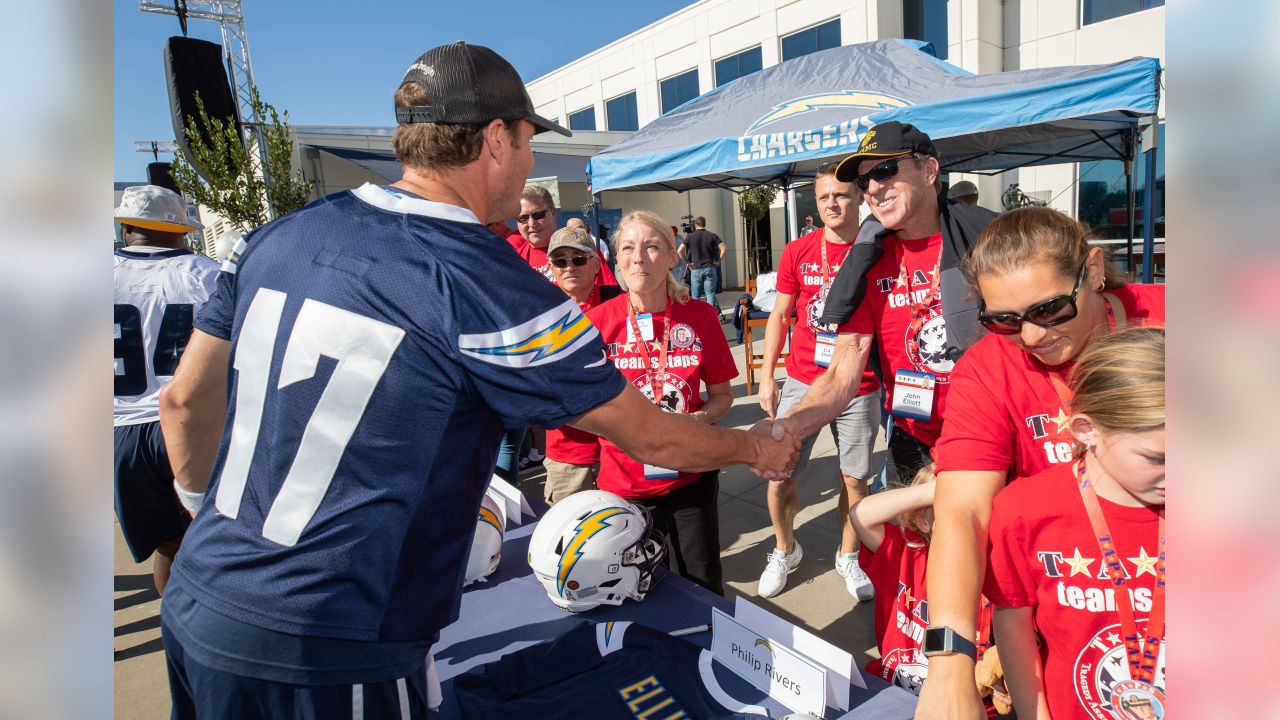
<point>682,336</point>
<point>927,351</point>
<point>1103,686</point>
<point>675,391</point>
<point>817,306</point>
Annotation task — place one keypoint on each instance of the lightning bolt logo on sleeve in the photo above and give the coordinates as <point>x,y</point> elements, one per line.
<point>585,529</point>
<point>555,334</point>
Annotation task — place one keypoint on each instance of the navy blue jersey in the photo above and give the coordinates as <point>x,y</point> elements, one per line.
<point>379,344</point>
<point>601,671</point>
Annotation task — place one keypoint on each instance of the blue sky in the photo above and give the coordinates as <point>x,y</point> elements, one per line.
<point>329,63</point>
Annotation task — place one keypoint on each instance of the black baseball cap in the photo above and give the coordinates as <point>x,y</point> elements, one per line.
<point>886,140</point>
<point>469,84</point>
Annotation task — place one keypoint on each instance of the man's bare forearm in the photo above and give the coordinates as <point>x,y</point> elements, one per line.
<point>831,393</point>
<point>193,409</point>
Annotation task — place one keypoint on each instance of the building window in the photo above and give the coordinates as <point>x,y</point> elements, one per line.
<point>584,119</point>
<point>1099,10</point>
<point>679,90</point>
<point>735,66</point>
<point>1102,204</point>
<point>820,37</point>
<point>926,20</point>
<point>621,113</point>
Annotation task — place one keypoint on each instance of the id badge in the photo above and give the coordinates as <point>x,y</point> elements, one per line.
<point>824,349</point>
<point>645,321</point>
<point>653,472</point>
<point>913,394</point>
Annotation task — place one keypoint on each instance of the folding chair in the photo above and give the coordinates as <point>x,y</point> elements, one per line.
<point>754,319</point>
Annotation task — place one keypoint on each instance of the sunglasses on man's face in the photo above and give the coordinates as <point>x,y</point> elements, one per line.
<point>1054,311</point>
<point>562,262</point>
<point>881,172</point>
<point>522,219</point>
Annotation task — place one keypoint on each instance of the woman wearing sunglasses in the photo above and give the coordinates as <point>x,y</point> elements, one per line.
<point>669,349</point>
<point>1045,293</point>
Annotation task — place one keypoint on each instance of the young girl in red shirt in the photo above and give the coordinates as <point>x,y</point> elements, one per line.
<point>895,558</point>
<point>1076,567</point>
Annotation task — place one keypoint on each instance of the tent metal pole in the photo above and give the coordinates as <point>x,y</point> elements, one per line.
<point>1129,196</point>
<point>1148,217</point>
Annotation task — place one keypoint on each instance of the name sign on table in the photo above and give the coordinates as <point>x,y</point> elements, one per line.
<point>787,676</point>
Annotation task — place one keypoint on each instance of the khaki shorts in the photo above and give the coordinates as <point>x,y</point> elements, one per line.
<point>854,430</point>
<point>565,479</point>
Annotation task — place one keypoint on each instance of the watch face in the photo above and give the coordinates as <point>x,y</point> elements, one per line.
<point>934,640</point>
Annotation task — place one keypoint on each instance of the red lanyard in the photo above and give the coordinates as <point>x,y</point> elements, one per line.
<point>656,374</point>
<point>1055,379</point>
<point>919,311</point>
<point>1142,655</point>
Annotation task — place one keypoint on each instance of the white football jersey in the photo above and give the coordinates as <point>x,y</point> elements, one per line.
<point>158,292</point>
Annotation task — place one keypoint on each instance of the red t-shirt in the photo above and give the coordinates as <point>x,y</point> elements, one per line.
<point>800,274</point>
<point>885,311</point>
<point>515,240</point>
<point>1003,412</point>
<point>897,570</point>
<point>698,353</point>
<point>568,444</point>
<point>1045,556</point>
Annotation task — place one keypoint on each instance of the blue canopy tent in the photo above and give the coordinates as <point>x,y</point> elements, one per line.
<point>780,124</point>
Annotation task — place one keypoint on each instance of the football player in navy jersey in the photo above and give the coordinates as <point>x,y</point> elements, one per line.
<point>364,374</point>
<point>159,284</point>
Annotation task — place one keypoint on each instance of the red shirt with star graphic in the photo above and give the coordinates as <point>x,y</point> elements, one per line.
<point>1045,556</point>
<point>568,444</point>
<point>1003,412</point>
<point>800,275</point>
<point>698,353</point>
<point>885,311</point>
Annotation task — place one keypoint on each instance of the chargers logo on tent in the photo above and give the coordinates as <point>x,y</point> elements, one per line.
<point>809,103</point>
<point>763,146</point>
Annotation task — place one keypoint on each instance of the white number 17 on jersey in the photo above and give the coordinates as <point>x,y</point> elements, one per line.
<point>362,346</point>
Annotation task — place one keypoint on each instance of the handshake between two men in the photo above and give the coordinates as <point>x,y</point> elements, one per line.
<point>689,443</point>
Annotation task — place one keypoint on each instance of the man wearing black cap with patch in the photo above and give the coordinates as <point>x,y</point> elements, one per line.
<point>370,377</point>
<point>900,286</point>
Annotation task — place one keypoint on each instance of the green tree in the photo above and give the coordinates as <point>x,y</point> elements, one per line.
<point>754,204</point>
<point>231,187</point>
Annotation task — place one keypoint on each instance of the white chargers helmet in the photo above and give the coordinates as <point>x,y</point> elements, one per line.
<point>594,548</point>
<point>486,545</point>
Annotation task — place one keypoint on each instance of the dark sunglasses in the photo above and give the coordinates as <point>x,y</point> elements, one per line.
<point>563,262</point>
<point>880,173</point>
<point>1054,311</point>
<point>522,219</point>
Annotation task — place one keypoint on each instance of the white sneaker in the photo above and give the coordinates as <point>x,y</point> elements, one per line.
<point>534,456</point>
<point>780,564</point>
<point>855,580</point>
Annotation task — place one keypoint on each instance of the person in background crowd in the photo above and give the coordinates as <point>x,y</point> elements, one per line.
<point>903,279</point>
<point>159,284</point>
<point>681,271</point>
<point>965,192</point>
<point>667,347</point>
<point>536,222</point>
<point>602,248</point>
<point>1077,566</point>
<point>369,383</point>
<point>573,456</point>
<point>808,225</point>
<point>1045,294</point>
<point>703,251</point>
<point>805,273</point>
